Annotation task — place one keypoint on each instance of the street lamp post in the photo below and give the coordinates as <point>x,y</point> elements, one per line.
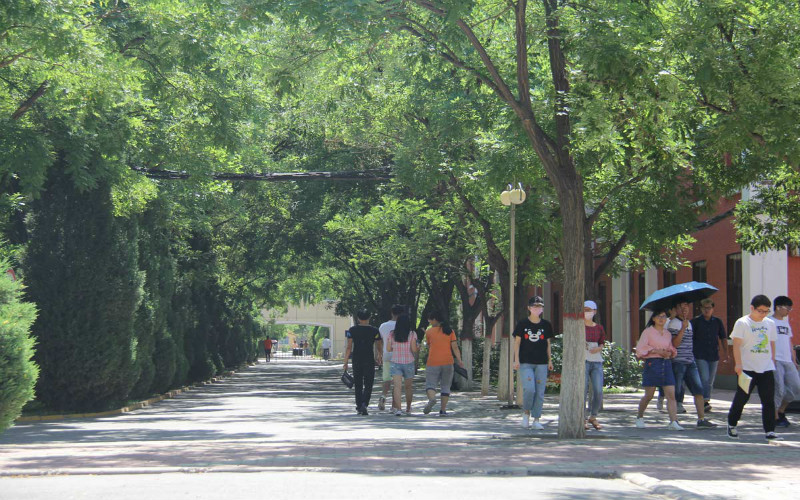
<point>513,197</point>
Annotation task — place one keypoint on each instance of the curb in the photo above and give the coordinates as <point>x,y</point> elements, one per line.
<point>651,484</point>
<point>124,409</point>
<point>510,471</point>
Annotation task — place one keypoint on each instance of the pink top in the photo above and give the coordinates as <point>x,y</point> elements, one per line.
<point>401,351</point>
<point>653,339</point>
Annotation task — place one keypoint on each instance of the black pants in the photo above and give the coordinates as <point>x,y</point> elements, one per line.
<point>364,377</point>
<point>766,392</point>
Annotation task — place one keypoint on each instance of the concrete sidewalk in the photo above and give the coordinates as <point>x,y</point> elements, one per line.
<point>296,415</point>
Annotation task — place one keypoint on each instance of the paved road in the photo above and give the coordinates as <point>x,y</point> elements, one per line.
<point>295,415</point>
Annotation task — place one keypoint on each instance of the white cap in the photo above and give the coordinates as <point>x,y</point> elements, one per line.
<point>590,304</point>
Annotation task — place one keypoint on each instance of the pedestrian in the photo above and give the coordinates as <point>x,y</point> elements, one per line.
<point>532,357</point>
<point>671,314</point>
<point>386,369</point>
<point>326,348</point>
<point>787,380</point>
<point>710,347</point>
<point>403,346</point>
<point>442,348</point>
<point>267,348</point>
<point>361,342</point>
<point>683,364</point>
<point>656,349</point>
<point>595,341</point>
<point>754,338</point>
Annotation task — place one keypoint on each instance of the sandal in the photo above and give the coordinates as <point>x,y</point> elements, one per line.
<point>586,425</point>
<point>595,424</point>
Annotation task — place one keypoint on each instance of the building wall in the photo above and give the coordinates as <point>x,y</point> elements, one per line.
<point>321,314</point>
<point>793,264</point>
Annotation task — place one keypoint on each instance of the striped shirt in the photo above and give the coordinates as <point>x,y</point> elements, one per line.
<point>686,348</point>
<point>401,351</point>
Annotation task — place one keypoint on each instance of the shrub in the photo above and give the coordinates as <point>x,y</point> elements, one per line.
<point>620,368</point>
<point>18,372</point>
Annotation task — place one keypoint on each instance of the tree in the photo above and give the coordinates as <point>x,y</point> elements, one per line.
<point>17,369</point>
<point>79,253</point>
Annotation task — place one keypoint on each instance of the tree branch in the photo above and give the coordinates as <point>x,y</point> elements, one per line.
<point>609,257</point>
<point>25,106</point>
<point>351,175</point>
<point>8,61</point>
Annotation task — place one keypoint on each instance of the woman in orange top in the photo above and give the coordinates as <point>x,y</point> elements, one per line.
<point>442,346</point>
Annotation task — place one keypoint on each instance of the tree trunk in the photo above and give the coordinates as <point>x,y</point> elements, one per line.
<point>502,379</point>
<point>570,411</point>
<point>486,374</point>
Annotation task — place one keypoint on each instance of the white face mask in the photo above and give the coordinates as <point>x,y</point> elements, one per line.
<point>537,310</point>
<point>588,315</point>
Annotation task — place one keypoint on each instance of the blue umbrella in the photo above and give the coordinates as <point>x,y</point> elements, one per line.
<point>683,292</point>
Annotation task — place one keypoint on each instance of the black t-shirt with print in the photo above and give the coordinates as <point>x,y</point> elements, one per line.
<point>533,341</point>
<point>364,337</point>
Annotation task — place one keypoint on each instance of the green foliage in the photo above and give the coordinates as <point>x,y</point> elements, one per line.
<point>478,345</point>
<point>771,219</point>
<point>620,368</point>
<point>17,370</point>
<point>82,274</point>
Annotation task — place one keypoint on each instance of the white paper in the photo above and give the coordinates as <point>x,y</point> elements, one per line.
<point>744,382</point>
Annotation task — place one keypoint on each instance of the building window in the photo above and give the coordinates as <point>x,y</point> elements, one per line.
<point>642,318</point>
<point>699,273</point>
<point>670,277</point>
<point>733,284</point>
<point>556,322</point>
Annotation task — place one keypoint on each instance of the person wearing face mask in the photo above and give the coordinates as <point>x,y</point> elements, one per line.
<point>595,340</point>
<point>533,359</point>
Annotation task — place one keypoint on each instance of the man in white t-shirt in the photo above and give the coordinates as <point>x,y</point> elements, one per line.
<point>326,348</point>
<point>385,329</point>
<point>787,380</point>
<point>754,352</point>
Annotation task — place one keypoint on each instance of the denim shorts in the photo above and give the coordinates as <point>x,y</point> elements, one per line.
<point>657,372</point>
<point>404,369</point>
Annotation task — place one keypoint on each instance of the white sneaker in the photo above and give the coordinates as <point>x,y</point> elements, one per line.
<point>526,421</point>
<point>537,426</point>
<point>640,423</point>
<point>674,426</point>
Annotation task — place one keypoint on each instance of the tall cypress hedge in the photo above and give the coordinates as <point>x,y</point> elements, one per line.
<point>81,270</point>
<point>18,372</point>
<point>156,351</point>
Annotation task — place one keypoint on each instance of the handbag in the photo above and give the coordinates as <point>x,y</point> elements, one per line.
<point>347,379</point>
<point>459,370</point>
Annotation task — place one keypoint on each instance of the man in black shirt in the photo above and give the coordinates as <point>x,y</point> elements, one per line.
<point>710,339</point>
<point>362,340</point>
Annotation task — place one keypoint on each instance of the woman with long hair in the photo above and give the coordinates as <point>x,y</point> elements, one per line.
<point>656,349</point>
<point>442,348</point>
<point>403,346</point>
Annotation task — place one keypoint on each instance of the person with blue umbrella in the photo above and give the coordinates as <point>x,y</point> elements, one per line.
<point>656,349</point>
